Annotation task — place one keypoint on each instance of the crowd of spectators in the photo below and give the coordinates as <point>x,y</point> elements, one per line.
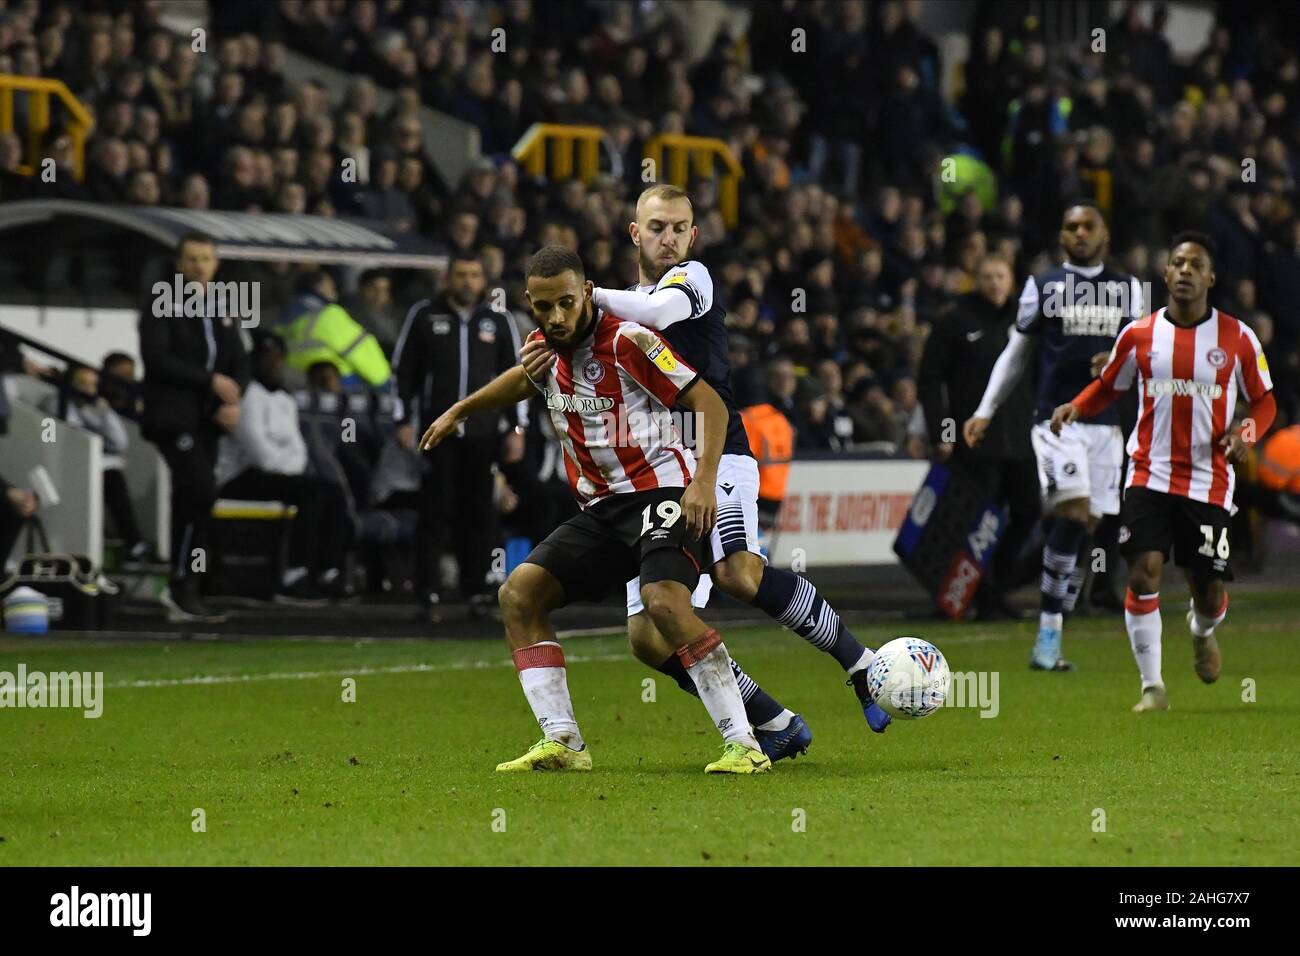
<point>850,245</point>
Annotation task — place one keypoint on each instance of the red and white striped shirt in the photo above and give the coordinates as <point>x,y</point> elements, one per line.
<point>610,400</point>
<point>1188,382</point>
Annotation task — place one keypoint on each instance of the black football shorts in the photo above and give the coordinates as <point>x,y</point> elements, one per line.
<point>1198,533</point>
<point>601,548</point>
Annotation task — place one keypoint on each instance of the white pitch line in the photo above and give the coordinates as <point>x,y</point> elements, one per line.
<point>205,679</point>
<point>199,680</point>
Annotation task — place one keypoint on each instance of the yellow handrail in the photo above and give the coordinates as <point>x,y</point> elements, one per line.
<point>531,150</point>
<point>701,154</point>
<point>547,149</point>
<point>40,89</point>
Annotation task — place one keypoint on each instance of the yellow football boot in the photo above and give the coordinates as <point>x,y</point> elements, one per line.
<point>548,755</point>
<point>737,758</point>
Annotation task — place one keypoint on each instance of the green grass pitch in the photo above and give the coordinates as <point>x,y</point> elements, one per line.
<point>257,735</point>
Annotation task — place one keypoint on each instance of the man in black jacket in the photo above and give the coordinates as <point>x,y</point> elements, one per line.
<point>449,347</point>
<point>955,368</point>
<point>195,369</point>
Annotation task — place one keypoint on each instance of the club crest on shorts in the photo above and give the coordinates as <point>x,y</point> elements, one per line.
<point>1216,357</point>
<point>593,371</point>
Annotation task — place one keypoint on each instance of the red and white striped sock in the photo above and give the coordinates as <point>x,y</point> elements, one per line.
<point>707,662</point>
<point>1203,625</point>
<point>1142,618</point>
<point>545,682</point>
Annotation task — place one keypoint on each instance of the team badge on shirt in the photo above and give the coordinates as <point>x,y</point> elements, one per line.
<point>593,371</point>
<point>1216,357</point>
<point>487,331</point>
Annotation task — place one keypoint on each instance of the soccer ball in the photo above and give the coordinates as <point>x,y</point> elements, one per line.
<point>909,678</point>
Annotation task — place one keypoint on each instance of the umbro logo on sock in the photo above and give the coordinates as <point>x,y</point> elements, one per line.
<point>724,724</point>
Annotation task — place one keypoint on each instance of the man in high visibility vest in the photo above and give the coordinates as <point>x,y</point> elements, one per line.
<point>318,329</point>
<point>771,438</point>
<point>1279,461</point>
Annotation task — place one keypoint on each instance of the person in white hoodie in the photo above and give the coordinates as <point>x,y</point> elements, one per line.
<point>265,459</point>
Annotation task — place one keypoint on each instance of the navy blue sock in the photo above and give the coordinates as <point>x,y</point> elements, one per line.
<point>760,706</point>
<point>1080,573</point>
<point>794,602</point>
<point>1060,556</point>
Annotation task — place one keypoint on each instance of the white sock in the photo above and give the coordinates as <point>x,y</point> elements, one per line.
<point>545,682</point>
<point>709,665</point>
<point>868,655</point>
<point>779,722</point>
<point>1203,625</point>
<point>1142,618</point>
<point>1052,621</point>
<point>292,576</point>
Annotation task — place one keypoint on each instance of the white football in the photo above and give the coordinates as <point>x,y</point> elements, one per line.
<point>909,678</point>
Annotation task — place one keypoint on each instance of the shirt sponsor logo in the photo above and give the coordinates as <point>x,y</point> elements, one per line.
<point>441,326</point>
<point>1090,320</point>
<point>1182,387</point>
<point>1090,307</point>
<point>583,405</point>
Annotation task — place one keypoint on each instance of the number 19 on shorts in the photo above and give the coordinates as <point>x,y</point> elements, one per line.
<point>668,511</point>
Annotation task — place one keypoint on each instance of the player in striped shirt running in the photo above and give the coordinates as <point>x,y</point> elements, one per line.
<point>1190,363</point>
